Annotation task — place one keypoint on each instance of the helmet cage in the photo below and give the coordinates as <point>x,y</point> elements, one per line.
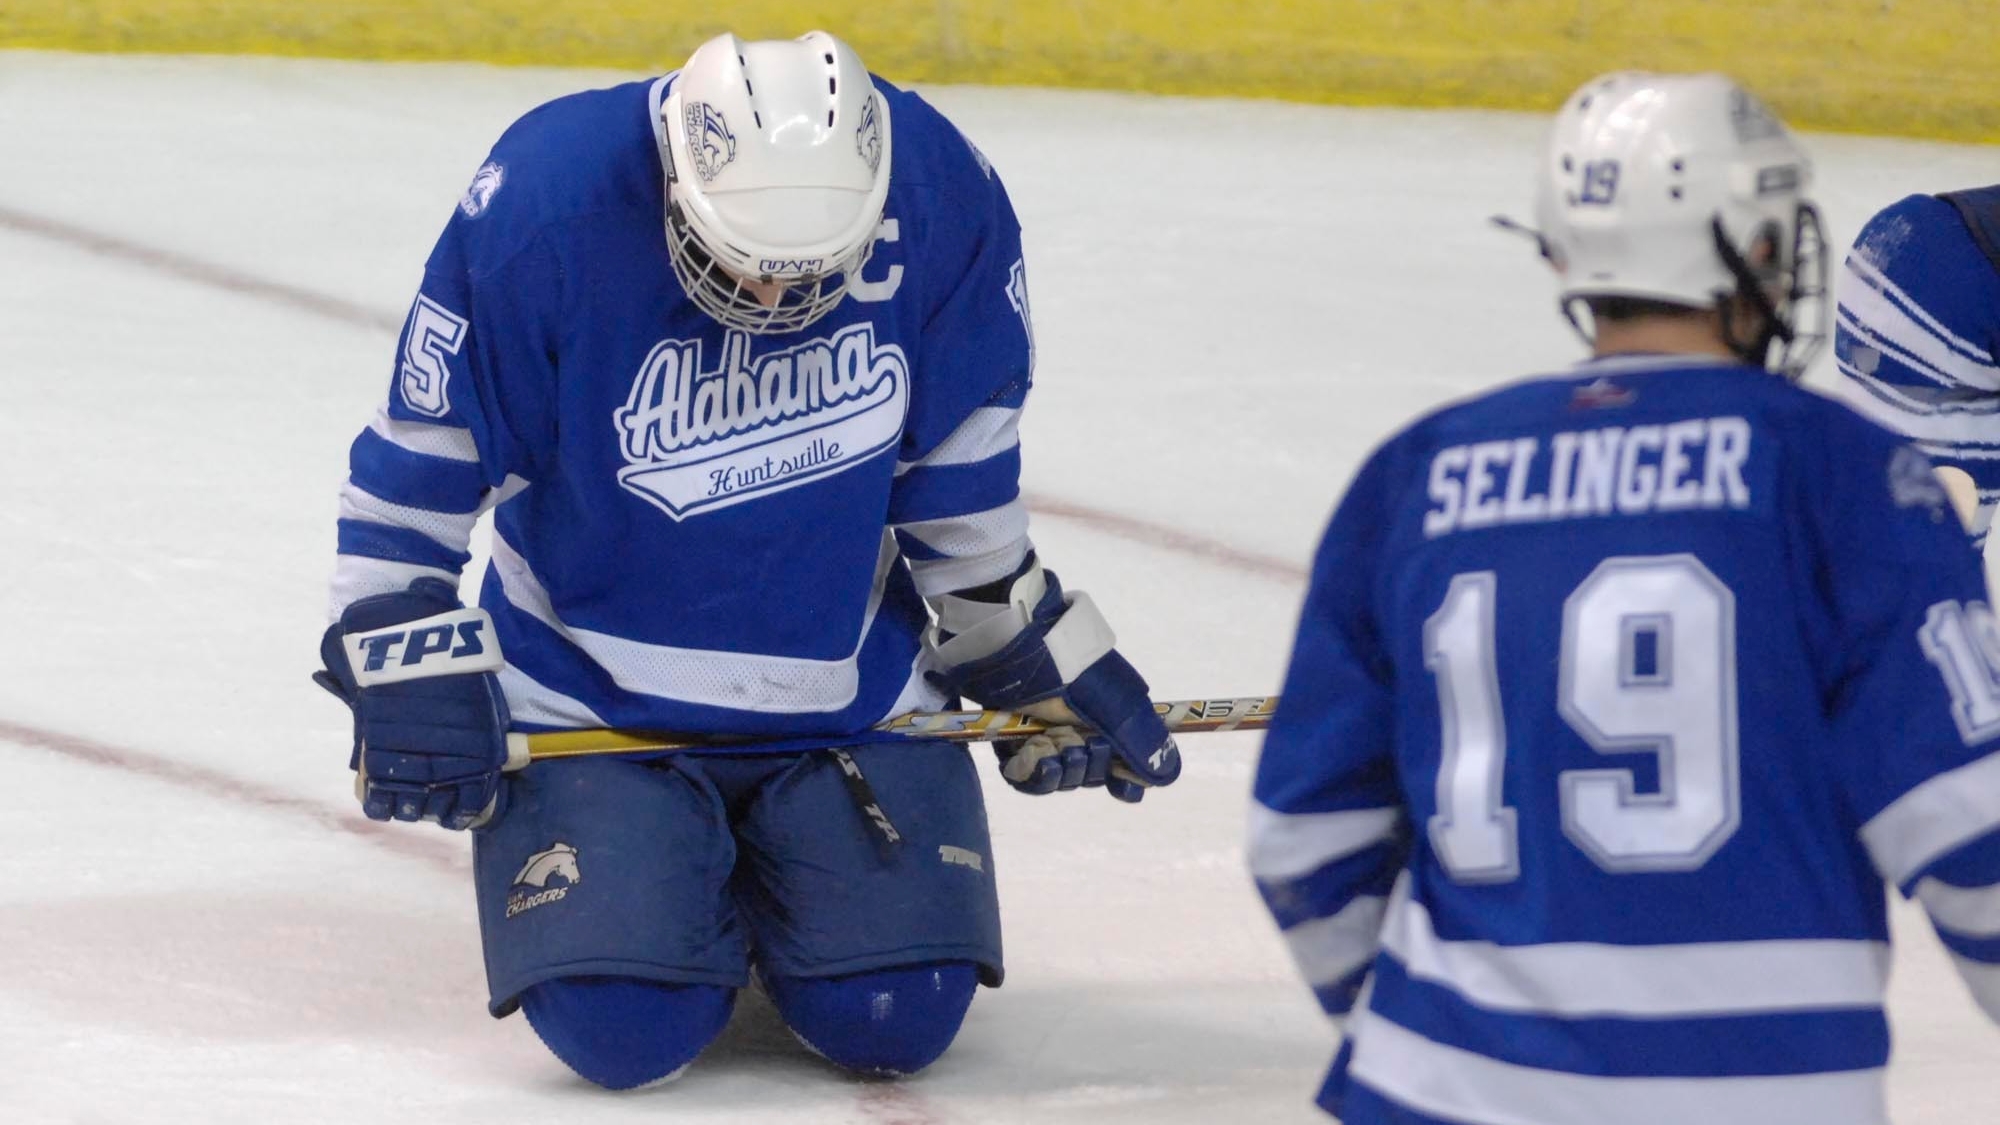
<point>730,301</point>
<point>1796,269</point>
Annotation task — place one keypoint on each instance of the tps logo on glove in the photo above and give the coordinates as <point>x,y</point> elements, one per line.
<point>445,644</point>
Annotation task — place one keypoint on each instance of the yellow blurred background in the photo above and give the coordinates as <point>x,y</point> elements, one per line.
<point>1928,68</point>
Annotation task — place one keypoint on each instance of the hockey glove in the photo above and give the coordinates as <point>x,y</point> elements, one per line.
<point>1051,656</point>
<point>430,724</point>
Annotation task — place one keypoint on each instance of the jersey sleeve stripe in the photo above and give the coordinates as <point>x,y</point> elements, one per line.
<point>1933,819</point>
<point>1325,890</point>
<point>1448,1082</point>
<point>1971,911</point>
<point>1583,979</point>
<point>986,432</point>
<point>1338,998</point>
<point>942,576</point>
<point>451,443</point>
<point>1285,846</point>
<point>391,472</point>
<point>1984,950</point>
<point>1860,278</point>
<point>450,530</point>
<point>1327,950</point>
<point>398,544</point>
<point>1932,413</point>
<point>975,533</point>
<point>916,550</point>
<point>1983,981</point>
<point>936,492</point>
<point>1910,354</point>
<point>358,576</point>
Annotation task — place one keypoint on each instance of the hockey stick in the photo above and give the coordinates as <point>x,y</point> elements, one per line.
<point>1183,716</point>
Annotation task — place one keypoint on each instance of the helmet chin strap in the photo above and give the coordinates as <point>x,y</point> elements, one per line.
<point>1773,330</point>
<point>1569,306</point>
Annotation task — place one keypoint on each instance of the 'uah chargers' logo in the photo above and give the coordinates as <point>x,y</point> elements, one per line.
<point>709,140</point>
<point>699,439</point>
<point>531,884</point>
<point>485,184</point>
<point>868,136</point>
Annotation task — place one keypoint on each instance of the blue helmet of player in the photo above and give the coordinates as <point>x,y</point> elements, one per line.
<point>1685,190</point>
<point>777,165</point>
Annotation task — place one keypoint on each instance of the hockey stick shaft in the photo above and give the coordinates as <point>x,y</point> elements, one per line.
<point>1183,716</point>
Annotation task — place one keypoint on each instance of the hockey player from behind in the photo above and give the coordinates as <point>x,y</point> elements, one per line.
<point>1917,340</point>
<point>736,357</point>
<point>1618,695</point>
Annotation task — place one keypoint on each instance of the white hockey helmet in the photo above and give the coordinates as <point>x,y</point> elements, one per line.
<point>1685,190</point>
<point>777,167</point>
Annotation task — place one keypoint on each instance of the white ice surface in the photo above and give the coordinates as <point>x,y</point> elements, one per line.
<point>1235,300</point>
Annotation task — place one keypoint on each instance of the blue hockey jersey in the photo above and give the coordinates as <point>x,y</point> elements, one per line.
<point>1616,700</point>
<point>697,529</point>
<point>1917,338</point>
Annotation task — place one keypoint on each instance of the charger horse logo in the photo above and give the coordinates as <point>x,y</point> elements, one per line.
<point>479,194</point>
<point>531,884</point>
<point>560,859</point>
<point>709,140</point>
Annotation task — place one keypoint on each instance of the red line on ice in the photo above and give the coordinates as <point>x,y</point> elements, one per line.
<point>1167,537</point>
<point>180,266</point>
<point>213,783</point>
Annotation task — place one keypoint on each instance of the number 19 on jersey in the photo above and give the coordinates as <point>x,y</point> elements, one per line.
<point>1648,666</point>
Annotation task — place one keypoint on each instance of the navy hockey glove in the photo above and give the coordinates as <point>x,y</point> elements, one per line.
<point>1051,655</point>
<point>430,724</point>
<point>1064,758</point>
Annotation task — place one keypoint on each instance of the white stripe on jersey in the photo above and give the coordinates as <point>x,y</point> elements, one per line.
<point>453,443</point>
<point>1984,982</point>
<point>740,681</point>
<point>532,702</point>
<point>919,693</point>
<point>936,577</point>
<point>1906,410</point>
<point>1941,814</point>
<point>452,530</point>
<point>974,533</point>
<point>1329,949</point>
<point>358,576</point>
<point>1871,275</point>
<point>1587,979</point>
<point>1285,846</point>
<point>529,701</point>
<point>987,432</point>
<point>1445,1081</point>
<point>1874,308</point>
<point>1971,911</point>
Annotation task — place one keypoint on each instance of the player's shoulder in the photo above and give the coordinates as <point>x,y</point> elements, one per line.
<point>1923,246</point>
<point>1874,480</point>
<point>1610,391</point>
<point>1639,391</point>
<point>1907,228</point>
<point>576,154</point>
<point>931,151</point>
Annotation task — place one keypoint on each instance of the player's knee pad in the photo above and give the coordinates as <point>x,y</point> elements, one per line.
<point>887,1022</point>
<point>620,1032</point>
